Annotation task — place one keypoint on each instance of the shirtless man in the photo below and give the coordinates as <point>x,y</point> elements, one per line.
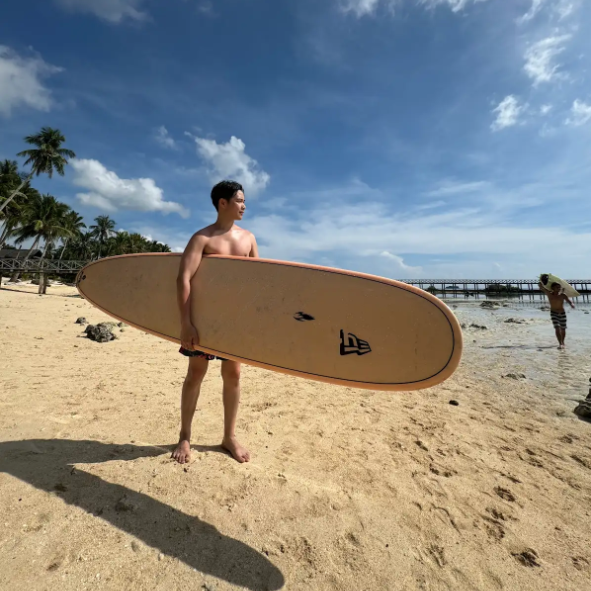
<point>223,237</point>
<point>557,313</point>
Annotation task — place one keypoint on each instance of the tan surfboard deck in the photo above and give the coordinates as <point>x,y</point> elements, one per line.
<point>314,322</point>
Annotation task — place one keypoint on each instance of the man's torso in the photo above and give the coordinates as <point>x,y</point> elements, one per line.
<point>556,302</point>
<point>236,242</point>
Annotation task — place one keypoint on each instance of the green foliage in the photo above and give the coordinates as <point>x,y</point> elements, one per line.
<point>10,179</point>
<point>52,225</point>
<point>48,155</point>
<point>86,246</point>
<point>501,289</point>
<point>43,218</point>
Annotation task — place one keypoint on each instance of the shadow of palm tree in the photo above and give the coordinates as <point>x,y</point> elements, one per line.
<point>47,465</point>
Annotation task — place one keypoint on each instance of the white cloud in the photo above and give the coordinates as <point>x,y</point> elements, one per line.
<point>446,188</point>
<point>109,192</point>
<point>21,82</point>
<point>508,112</point>
<point>364,7</point>
<point>360,233</point>
<point>561,8</point>
<point>113,11</point>
<point>177,238</point>
<point>206,8</point>
<point>399,262</point>
<point>454,5</point>
<point>431,205</point>
<point>565,8</point>
<point>536,6</point>
<point>540,58</point>
<point>230,161</point>
<point>163,138</point>
<point>580,114</point>
<point>361,7</point>
<point>545,109</point>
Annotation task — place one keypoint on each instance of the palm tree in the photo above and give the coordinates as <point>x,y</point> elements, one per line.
<point>10,220</point>
<point>102,230</point>
<point>47,157</point>
<point>9,180</point>
<point>82,247</point>
<point>137,243</point>
<point>43,219</point>
<point>73,225</point>
<point>155,246</point>
<point>12,214</point>
<point>121,242</point>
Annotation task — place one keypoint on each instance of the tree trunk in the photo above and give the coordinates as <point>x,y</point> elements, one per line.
<point>17,274</point>
<point>5,233</point>
<point>15,193</point>
<point>63,248</point>
<point>43,276</point>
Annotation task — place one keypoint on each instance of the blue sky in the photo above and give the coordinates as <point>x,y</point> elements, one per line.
<point>405,138</point>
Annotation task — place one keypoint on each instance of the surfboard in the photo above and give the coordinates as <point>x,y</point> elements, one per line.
<point>567,288</point>
<point>319,323</point>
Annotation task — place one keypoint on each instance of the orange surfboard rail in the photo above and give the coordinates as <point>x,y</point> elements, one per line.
<point>321,323</point>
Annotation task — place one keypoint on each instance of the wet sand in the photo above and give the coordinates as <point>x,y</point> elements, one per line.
<point>347,489</point>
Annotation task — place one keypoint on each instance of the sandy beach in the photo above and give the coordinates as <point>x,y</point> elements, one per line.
<point>346,490</point>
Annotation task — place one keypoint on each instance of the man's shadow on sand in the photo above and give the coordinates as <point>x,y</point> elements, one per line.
<point>47,465</point>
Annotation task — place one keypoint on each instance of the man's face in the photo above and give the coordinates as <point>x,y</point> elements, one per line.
<point>236,206</point>
<point>556,289</point>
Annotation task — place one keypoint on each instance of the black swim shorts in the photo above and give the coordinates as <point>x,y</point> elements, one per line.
<point>209,357</point>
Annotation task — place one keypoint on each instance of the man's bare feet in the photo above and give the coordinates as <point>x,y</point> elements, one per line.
<point>240,454</point>
<point>182,452</point>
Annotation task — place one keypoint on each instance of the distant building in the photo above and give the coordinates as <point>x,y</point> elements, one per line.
<point>15,253</point>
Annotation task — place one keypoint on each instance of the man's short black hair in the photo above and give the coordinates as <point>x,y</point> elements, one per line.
<point>224,190</point>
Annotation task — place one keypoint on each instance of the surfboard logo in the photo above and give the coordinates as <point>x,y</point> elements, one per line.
<point>302,317</point>
<point>353,345</point>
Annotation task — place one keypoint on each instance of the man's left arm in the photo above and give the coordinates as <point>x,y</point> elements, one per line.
<point>571,304</point>
<point>254,249</point>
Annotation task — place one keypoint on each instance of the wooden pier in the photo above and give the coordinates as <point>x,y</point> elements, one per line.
<point>466,288</point>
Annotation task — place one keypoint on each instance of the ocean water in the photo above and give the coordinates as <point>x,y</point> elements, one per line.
<point>529,348</point>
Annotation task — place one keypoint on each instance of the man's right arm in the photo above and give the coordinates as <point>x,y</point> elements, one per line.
<point>190,262</point>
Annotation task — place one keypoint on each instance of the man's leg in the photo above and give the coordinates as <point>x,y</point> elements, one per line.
<point>191,388</point>
<point>231,379</point>
<point>563,335</point>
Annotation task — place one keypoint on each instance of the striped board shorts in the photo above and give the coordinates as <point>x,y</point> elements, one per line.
<point>558,319</point>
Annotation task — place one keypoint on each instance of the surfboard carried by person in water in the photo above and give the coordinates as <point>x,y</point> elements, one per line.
<point>556,296</point>
<point>226,238</point>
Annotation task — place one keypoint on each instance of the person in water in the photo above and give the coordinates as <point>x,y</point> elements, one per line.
<point>557,313</point>
<point>222,237</point>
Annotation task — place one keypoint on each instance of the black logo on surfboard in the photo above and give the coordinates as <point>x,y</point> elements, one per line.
<point>302,317</point>
<point>352,344</point>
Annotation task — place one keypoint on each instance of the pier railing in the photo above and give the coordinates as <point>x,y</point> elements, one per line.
<point>49,266</point>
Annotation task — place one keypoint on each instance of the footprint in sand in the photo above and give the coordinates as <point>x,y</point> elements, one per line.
<point>527,558</point>
<point>505,494</point>
<point>580,562</point>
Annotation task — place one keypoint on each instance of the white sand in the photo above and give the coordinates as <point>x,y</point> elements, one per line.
<point>346,489</point>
